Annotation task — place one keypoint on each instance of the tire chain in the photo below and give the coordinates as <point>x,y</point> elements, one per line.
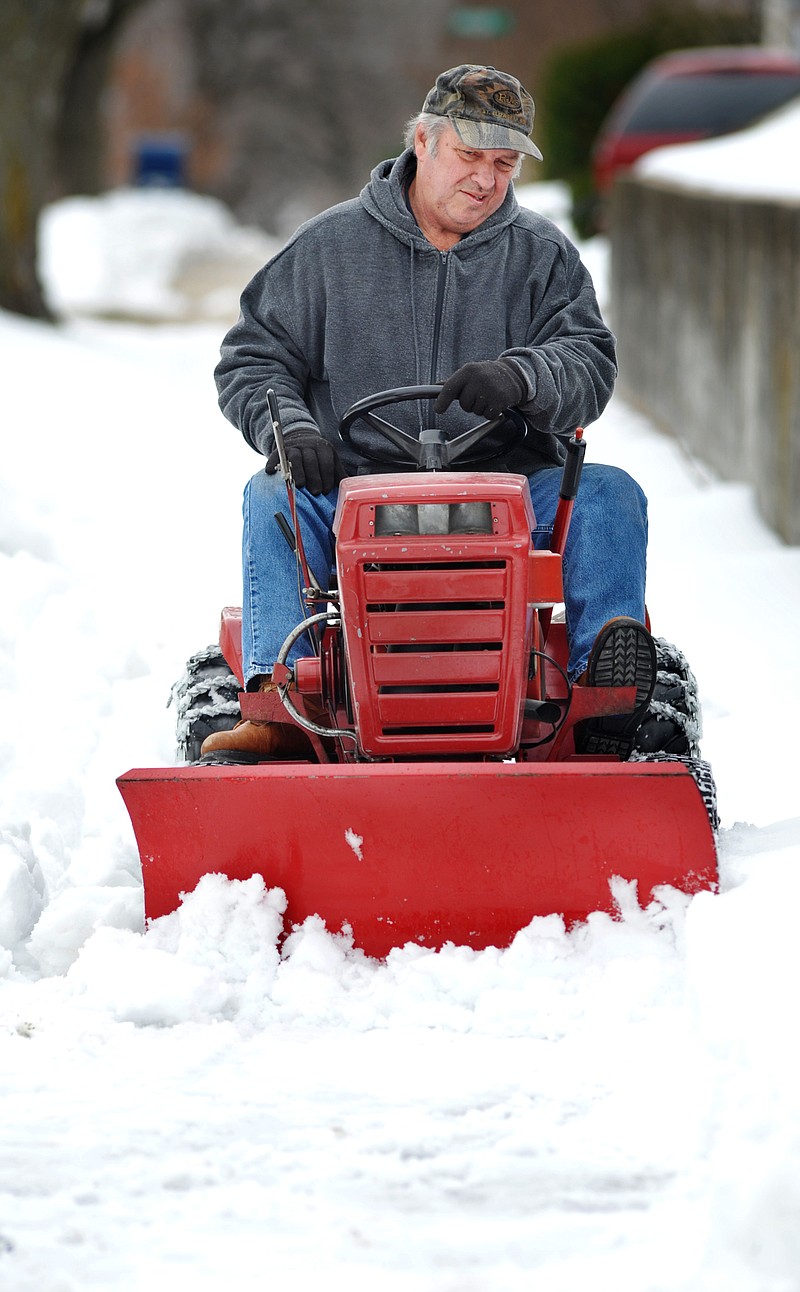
<point>673,722</point>
<point>206,699</point>
<point>700,770</point>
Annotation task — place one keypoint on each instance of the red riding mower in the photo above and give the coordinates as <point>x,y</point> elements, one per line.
<point>442,799</point>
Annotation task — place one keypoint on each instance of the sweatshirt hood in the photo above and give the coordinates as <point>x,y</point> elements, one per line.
<point>384,198</point>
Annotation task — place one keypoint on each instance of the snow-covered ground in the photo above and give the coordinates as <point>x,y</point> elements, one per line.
<point>616,1107</point>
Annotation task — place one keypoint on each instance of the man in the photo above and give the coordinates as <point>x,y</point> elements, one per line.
<point>435,274</point>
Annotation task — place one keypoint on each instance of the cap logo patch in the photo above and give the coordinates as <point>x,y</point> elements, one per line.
<point>507,100</point>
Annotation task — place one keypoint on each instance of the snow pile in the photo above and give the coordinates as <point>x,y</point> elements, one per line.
<point>758,162</point>
<point>148,254</point>
<point>613,1106</point>
<point>218,956</point>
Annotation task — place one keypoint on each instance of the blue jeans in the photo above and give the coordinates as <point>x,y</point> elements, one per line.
<point>604,560</point>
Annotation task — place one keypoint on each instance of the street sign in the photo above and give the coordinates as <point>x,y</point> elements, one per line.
<point>480,21</point>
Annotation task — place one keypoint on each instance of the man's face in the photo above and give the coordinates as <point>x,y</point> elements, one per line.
<point>458,188</point>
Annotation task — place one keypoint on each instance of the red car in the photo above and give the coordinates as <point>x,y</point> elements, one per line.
<point>688,95</point>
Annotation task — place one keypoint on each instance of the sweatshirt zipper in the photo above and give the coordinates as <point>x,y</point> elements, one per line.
<point>441,278</point>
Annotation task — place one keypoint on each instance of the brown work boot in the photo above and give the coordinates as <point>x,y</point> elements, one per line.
<point>624,654</point>
<point>259,740</point>
<point>253,741</point>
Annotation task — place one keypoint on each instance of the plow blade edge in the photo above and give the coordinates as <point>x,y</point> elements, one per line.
<point>428,853</point>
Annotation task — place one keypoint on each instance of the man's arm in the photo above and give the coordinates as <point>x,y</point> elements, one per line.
<point>562,373</point>
<point>260,353</point>
<point>569,361</point>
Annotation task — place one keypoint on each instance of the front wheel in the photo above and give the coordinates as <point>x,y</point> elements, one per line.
<point>206,699</point>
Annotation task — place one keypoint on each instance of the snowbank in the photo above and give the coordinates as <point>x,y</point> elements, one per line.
<point>758,162</point>
<point>149,254</point>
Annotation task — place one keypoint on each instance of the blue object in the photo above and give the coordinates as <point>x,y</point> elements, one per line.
<point>159,161</point>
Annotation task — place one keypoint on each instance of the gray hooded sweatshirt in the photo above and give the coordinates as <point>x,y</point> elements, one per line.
<point>358,301</point>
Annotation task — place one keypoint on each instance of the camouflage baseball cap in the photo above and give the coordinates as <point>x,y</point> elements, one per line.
<point>486,108</point>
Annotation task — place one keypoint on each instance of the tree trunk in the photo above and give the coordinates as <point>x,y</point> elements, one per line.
<point>80,140</point>
<point>37,38</point>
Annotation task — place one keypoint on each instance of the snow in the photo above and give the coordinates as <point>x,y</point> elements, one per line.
<point>759,162</point>
<point>153,254</point>
<point>616,1106</point>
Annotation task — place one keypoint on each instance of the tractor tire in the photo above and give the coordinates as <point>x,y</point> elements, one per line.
<point>672,724</point>
<point>206,699</point>
<point>701,771</point>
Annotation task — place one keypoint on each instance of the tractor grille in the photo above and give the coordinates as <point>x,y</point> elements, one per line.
<point>432,643</point>
<point>437,624</point>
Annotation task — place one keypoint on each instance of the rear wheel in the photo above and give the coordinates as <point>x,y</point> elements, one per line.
<point>672,724</point>
<point>670,730</point>
<point>700,770</point>
<point>206,699</point>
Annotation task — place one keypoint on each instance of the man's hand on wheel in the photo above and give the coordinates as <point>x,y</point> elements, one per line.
<point>485,388</point>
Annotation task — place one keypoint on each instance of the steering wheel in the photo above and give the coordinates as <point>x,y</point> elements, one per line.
<point>432,451</point>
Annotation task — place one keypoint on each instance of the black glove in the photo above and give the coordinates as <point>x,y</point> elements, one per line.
<point>315,464</point>
<point>485,387</point>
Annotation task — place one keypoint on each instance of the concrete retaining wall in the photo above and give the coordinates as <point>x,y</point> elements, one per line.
<point>705,302</point>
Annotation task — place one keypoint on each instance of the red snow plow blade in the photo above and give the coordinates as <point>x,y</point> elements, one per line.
<point>428,853</point>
